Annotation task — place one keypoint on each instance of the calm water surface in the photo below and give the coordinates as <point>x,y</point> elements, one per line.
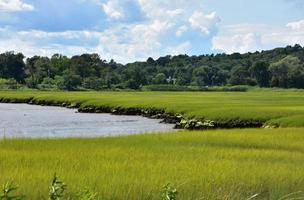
<point>32,121</point>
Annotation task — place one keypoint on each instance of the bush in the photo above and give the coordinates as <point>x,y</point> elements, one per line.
<point>169,88</point>
<point>160,79</point>
<point>48,84</point>
<point>169,192</point>
<point>9,84</point>
<point>237,88</point>
<point>240,88</point>
<point>94,83</point>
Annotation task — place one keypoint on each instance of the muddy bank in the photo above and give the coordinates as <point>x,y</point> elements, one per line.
<point>180,121</point>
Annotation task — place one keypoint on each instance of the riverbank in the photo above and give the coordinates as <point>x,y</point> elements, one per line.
<point>189,110</point>
<point>179,120</point>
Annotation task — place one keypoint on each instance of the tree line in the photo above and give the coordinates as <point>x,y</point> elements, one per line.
<point>280,67</point>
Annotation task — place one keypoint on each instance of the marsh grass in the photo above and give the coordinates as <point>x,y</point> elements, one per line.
<point>221,164</point>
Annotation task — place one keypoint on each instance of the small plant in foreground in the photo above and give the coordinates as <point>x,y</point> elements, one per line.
<point>57,189</point>
<point>7,190</point>
<point>169,192</point>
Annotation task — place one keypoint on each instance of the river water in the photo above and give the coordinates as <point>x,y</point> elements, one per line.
<point>32,121</point>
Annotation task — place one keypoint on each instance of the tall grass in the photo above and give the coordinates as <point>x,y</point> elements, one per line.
<point>222,164</point>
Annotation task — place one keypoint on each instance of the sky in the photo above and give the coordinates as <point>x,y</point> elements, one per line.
<point>133,30</point>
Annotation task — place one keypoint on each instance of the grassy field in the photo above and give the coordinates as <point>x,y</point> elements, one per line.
<point>285,107</point>
<point>220,164</point>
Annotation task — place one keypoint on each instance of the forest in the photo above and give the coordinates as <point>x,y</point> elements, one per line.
<point>280,67</point>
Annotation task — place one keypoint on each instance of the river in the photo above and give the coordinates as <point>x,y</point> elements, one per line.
<point>32,121</point>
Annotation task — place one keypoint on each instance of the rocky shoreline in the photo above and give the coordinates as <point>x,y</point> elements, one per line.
<point>179,120</point>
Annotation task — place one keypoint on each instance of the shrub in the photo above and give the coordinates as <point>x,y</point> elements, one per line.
<point>8,84</point>
<point>238,88</point>
<point>168,88</point>
<point>57,189</point>
<point>169,192</point>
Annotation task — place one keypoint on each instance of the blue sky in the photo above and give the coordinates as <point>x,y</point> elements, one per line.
<point>133,30</point>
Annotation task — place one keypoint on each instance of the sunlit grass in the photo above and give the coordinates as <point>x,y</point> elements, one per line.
<point>223,164</point>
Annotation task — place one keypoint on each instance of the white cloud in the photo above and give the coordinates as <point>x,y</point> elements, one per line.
<point>14,5</point>
<point>133,42</point>
<point>42,43</point>
<point>31,48</point>
<point>251,37</point>
<point>156,9</point>
<point>148,38</point>
<point>169,10</point>
<point>175,13</point>
<point>53,35</point>
<point>238,43</point>
<point>183,14</point>
<point>124,44</point>
<point>299,25</point>
<point>113,9</point>
<point>179,49</point>
<point>158,33</point>
<point>205,23</point>
<point>181,30</point>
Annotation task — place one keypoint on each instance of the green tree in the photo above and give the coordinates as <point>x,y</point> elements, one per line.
<point>134,76</point>
<point>71,81</point>
<point>12,66</point>
<point>261,73</point>
<point>209,76</point>
<point>240,76</point>
<point>37,68</point>
<point>93,83</point>
<point>160,79</point>
<point>287,72</point>
<point>59,64</point>
<point>202,76</point>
